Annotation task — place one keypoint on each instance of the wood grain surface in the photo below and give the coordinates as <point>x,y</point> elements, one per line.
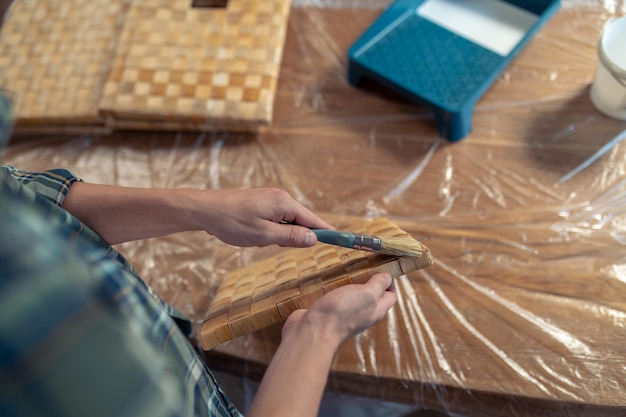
<point>523,310</point>
<point>55,58</point>
<point>267,292</point>
<point>196,68</point>
<point>123,64</point>
<point>521,313</point>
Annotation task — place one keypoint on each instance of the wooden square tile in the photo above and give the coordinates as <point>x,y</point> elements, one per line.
<point>203,58</point>
<point>267,292</point>
<point>56,57</point>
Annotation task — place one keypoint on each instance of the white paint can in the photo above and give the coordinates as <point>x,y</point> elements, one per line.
<point>608,90</point>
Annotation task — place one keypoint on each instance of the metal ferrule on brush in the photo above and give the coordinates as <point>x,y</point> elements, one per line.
<point>369,243</point>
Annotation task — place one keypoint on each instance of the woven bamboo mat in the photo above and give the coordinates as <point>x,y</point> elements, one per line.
<point>54,60</point>
<point>267,292</point>
<point>94,66</point>
<point>180,67</point>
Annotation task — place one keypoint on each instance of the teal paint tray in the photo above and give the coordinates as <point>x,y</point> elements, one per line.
<point>445,54</point>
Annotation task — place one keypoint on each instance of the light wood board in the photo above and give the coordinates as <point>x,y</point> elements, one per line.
<point>55,57</point>
<point>96,66</point>
<point>267,292</point>
<point>178,66</point>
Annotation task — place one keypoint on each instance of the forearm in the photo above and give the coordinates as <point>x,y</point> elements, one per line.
<point>237,217</point>
<point>121,214</point>
<point>294,382</point>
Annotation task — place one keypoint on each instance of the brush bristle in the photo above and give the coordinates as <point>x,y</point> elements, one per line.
<point>401,246</point>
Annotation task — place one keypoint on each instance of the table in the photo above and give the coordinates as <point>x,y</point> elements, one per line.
<point>523,312</point>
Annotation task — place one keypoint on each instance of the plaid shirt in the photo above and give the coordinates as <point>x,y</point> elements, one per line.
<point>6,119</point>
<point>80,333</point>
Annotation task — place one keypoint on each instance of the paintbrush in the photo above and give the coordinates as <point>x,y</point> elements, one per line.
<point>395,246</point>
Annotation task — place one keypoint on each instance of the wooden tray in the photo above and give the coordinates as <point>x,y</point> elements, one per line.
<point>267,292</point>
<point>96,66</point>
<point>55,57</point>
<point>182,67</point>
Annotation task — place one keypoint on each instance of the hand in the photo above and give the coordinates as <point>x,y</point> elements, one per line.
<point>347,311</point>
<point>237,217</point>
<point>253,218</point>
<point>295,379</point>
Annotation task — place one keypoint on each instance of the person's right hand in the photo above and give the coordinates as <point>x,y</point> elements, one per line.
<point>256,217</point>
<point>346,311</point>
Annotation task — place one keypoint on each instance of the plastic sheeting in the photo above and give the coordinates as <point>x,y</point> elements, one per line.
<point>524,311</point>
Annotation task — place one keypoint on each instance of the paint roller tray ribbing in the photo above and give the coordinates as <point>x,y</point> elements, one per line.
<point>443,62</point>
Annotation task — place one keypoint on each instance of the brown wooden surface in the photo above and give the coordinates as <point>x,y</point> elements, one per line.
<point>518,315</point>
<point>523,311</point>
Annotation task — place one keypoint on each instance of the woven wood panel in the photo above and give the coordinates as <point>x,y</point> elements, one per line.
<point>75,65</point>
<point>55,57</point>
<point>267,292</point>
<point>197,68</point>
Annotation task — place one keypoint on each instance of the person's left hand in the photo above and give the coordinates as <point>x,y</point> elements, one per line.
<point>295,378</point>
<point>346,311</point>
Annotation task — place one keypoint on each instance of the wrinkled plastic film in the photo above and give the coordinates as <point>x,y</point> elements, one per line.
<point>524,310</point>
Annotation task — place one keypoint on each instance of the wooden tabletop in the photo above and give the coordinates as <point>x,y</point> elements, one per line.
<point>523,311</point>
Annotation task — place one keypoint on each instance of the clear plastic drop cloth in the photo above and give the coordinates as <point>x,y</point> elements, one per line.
<point>523,312</point>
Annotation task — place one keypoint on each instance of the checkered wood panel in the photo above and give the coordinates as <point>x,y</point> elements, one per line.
<point>267,292</point>
<point>193,67</point>
<point>55,57</point>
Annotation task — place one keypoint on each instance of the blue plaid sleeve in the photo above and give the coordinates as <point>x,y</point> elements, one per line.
<point>52,184</point>
<point>47,190</point>
<point>82,335</point>
<point>6,119</point>
<point>65,349</point>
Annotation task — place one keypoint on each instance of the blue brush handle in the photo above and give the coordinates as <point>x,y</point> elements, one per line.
<point>334,237</point>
